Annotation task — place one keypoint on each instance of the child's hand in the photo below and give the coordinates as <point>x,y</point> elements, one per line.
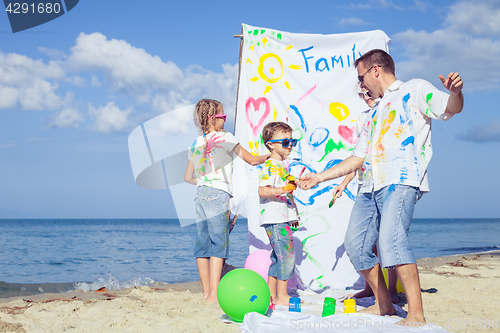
<point>337,191</point>
<point>289,188</point>
<point>295,224</point>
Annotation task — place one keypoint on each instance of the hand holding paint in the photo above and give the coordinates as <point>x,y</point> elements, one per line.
<point>335,197</point>
<point>289,188</point>
<point>309,181</point>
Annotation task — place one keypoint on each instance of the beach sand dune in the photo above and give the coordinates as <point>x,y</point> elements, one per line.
<point>460,293</point>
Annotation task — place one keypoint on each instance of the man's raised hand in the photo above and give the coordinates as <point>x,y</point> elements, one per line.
<point>453,82</point>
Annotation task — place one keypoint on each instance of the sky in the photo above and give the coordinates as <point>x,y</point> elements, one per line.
<point>73,89</point>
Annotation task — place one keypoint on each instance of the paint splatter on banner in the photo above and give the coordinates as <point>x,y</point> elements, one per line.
<point>308,81</point>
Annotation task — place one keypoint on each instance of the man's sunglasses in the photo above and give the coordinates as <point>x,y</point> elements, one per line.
<point>361,78</point>
<point>223,116</point>
<point>286,142</point>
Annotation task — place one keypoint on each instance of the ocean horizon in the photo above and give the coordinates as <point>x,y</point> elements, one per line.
<point>58,255</point>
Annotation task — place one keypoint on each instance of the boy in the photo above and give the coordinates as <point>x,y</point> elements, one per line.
<point>278,208</point>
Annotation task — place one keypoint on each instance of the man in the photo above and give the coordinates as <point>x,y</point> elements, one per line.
<point>393,152</point>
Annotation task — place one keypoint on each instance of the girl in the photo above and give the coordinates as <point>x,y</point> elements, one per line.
<point>210,160</point>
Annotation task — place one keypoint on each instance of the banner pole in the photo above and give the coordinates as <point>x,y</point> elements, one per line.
<point>239,74</point>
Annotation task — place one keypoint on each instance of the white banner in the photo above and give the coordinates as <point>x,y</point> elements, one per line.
<point>308,81</point>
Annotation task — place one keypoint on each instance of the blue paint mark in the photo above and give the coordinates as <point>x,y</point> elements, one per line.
<point>296,110</point>
<point>306,58</point>
<point>390,190</point>
<point>325,65</point>
<point>253,298</point>
<point>404,175</point>
<point>310,200</point>
<point>407,141</point>
<point>405,107</point>
<point>350,195</point>
<point>331,164</point>
<point>318,136</point>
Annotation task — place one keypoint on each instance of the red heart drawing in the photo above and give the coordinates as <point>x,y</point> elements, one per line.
<point>256,105</point>
<point>347,133</point>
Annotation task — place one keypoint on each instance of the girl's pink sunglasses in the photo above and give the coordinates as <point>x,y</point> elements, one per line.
<point>223,116</point>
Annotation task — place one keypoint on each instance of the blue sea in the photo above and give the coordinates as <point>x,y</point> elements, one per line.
<point>53,255</point>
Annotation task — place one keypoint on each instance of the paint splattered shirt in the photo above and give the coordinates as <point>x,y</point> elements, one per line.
<point>213,160</point>
<point>395,141</point>
<point>281,208</point>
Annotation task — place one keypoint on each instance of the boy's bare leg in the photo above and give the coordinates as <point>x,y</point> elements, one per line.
<point>215,273</point>
<point>203,270</point>
<point>272,282</point>
<point>383,305</point>
<point>393,285</point>
<point>282,297</point>
<point>408,274</point>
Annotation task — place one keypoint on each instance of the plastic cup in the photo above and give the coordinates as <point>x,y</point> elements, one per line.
<point>328,307</point>
<point>350,306</point>
<point>294,304</point>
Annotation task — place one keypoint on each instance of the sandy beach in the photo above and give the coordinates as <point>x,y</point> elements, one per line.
<point>460,293</point>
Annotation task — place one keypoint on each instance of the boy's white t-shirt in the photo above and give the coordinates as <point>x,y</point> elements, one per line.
<point>280,208</point>
<point>212,156</point>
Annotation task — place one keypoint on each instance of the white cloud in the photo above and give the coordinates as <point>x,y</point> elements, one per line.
<point>129,68</point>
<point>489,132</point>
<point>468,43</point>
<point>478,18</point>
<point>351,21</point>
<point>110,118</point>
<point>67,118</point>
<point>95,81</point>
<point>24,83</point>
<point>375,4</point>
<point>116,67</point>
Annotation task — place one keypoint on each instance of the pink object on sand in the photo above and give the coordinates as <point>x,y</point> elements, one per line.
<point>259,261</point>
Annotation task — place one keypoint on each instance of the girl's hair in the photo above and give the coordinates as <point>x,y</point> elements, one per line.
<point>204,113</point>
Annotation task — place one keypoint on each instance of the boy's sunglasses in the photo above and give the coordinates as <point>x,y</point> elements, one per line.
<point>365,94</point>
<point>223,116</point>
<point>286,142</point>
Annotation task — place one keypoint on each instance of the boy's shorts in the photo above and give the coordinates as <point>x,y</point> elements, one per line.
<point>212,223</point>
<point>283,255</point>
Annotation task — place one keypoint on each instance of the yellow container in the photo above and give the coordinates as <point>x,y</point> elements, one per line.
<point>350,306</point>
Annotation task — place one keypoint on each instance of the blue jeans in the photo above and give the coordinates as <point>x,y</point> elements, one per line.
<point>384,215</point>
<point>212,223</point>
<point>282,255</point>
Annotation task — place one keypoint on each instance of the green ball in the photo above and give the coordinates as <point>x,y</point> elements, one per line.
<point>242,291</point>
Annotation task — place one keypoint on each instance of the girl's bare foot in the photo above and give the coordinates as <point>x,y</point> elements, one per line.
<point>282,301</point>
<point>212,299</point>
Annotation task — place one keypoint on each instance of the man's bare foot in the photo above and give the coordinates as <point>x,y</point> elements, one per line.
<point>394,297</point>
<point>363,293</point>
<point>412,321</point>
<point>376,310</point>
